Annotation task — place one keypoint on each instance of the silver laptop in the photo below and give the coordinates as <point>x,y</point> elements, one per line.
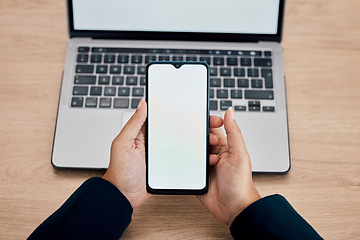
<point>112,41</point>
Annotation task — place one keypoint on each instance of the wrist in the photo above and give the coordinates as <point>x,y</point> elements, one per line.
<point>255,196</point>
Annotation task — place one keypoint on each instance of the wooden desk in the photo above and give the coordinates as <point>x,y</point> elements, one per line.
<point>321,51</point>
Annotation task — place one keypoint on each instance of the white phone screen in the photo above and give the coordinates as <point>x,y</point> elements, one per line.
<point>177,126</point>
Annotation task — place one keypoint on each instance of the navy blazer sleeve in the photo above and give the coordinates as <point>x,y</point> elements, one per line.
<point>271,217</point>
<point>96,210</point>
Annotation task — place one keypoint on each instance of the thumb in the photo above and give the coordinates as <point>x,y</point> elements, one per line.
<point>234,137</point>
<point>135,123</point>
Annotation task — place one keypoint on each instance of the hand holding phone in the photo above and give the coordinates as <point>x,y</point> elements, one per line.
<point>177,127</point>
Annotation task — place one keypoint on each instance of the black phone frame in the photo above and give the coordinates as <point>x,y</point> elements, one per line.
<point>179,191</point>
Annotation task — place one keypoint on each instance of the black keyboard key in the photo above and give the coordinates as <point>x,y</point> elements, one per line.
<point>117,80</point>
<point>142,81</point>
<point>95,91</point>
<point>82,58</point>
<point>229,82</point>
<point>232,61</point>
<point>239,72</point>
<point>129,69</point>
<point>77,101</point>
<point>164,58</point>
<point>91,102</point>
<point>109,91</point>
<point>121,103</point>
<point>167,51</point>
<point>124,91</point>
<point>222,93</point>
<point>252,53</point>
<point>245,61</point>
<point>212,94</point>
<point>267,75</point>
<point>254,103</point>
<point>115,69</point>
<point>240,108</point>
<point>267,53</point>
<point>138,92</point>
<point>100,50</point>
<point>262,62</point>
<point>84,79</point>
<point>268,109</point>
<point>259,94</point>
<point>177,58</point>
<point>83,49</point>
<point>141,70</point>
<point>96,58</point>
<point>256,83</point>
<point>84,69</point>
<point>191,58</point>
<point>80,90</point>
<point>236,94</point>
<point>131,80</point>
<point>243,83</point>
<point>254,108</point>
<point>253,72</point>
<point>109,59</point>
<point>205,59</point>
<point>225,71</point>
<point>219,61</point>
<point>213,72</point>
<point>149,59</point>
<point>266,72</point>
<point>213,105</point>
<point>154,50</point>
<point>123,59</point>
<point>105,102</point>
<point>180,51</point>
<point>101,69</point>
<point>136,59</point>
<point>224,105</point>
<point>215,82</point>
<point>104,80</point>
<point>135,102</point>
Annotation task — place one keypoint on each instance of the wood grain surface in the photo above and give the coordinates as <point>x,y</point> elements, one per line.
<point>321,55</point>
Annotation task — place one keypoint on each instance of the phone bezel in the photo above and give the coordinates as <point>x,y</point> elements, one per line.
<point>179,191</point>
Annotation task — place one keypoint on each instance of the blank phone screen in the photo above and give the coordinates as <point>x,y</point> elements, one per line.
<point>177,126</point>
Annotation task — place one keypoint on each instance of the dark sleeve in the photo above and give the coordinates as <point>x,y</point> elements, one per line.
<point>271,217</point>
<point>96,210</point>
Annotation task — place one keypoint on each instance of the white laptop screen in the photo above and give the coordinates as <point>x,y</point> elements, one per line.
<point>193,16</point>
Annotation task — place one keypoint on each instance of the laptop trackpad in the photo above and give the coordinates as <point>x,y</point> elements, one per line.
<point>125,117</point>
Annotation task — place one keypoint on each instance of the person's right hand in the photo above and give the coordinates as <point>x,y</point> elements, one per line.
<point>231,188</point>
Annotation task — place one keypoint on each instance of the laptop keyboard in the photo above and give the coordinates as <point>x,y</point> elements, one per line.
<point>115,77</point>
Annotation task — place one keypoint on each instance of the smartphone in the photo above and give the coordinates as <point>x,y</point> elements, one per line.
<point>177,158</point>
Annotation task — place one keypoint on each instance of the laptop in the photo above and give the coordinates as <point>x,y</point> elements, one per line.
<point>112,41</point>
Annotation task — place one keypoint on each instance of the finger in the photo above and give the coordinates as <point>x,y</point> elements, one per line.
<point>213,159</point>
<point>136,122</point>
<point>213,139</point>
<point>217,132</point>
<point>215,121</point>
<point>234,137</point>
<point>222,145</point>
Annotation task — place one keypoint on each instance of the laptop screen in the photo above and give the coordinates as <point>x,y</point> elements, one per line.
<point>190,16</point>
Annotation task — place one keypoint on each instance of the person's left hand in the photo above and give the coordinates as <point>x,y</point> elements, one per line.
<point>127,169</point>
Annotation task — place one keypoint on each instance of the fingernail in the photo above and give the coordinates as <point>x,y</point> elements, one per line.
<point>231,112</point>
<point>141,103</point>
